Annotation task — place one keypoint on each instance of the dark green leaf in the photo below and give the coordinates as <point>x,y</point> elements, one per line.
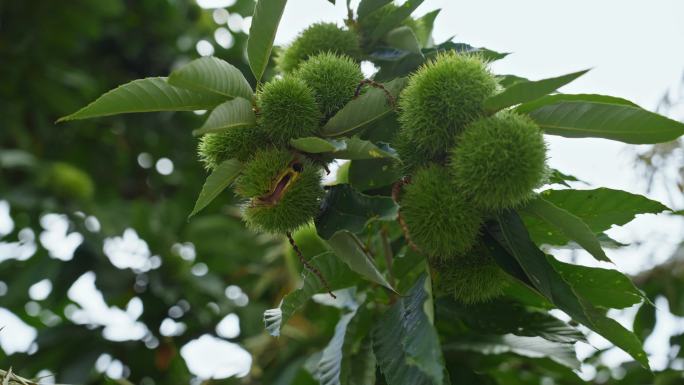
<point>511,233</point>
<point>534,347</point>
<point>395,64</point>
<point>346,209</point>
<point>145,95</point>
<point>362,149</point>
<point>525,91</point>
<point>369,174</point>
<point>212,75</point>
<point>508,80</point>
<point>605,288</point>
<point>336,364</point>
<point>526,108</point>
<point>405,341</point>
<point>558,177</point>
<point>394,18</point>
<point>348,148</point>
<point>368,107</point>
<point>404,39</point>
<point>504,317</point>
<point>599,208</point>
<point>338,276</point>
<point>645,320</point>
<point>368,6</point>
<point>233,113</point>
<point>267,15</point>
<point>579,119</point>
<point>485,53</point>
<point>426,22</point>
<point>330,365</point>
<point>316,145</point>
<point>349,249</point>
<point>216,182</point>
<point>568,224</point>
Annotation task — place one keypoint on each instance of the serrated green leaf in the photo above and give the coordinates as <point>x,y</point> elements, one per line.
<point>404,39</point>
<point>330,365</point>
<point>363,110</point>
<point>233,113</point>
<point>599,208</point>
<point>508,80</point>
<point>511,233</point>
<point>368,6</point>
<point>604,288</point>
<point>145,95</point>
<point>525,91</point>
<point>369,174</point>
<point>526,108</point>
<point>533,347</point>
<point>265,20</point>
<point>335,271</point>
<point>405,341</point>
<point>316,145</point>
<point>350,250</point>
<point>394,18</point>
<point>614,332</point>
<point>348,148</point>
<point>486,53</point>
<point>568,224</point>
<point>346,209</point>
<point>426,25</point>
<point>508,317</point>
<point>363,149</point>
<point>621,122</point>
<point>395,63</point>
<point>645,321</point>
<point>216,182</point>
<point>336,364</point>
<point>558,177</point>
<point>212,75</point>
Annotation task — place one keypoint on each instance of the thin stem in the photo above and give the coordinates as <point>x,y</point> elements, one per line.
<point>308,265</point>
<point>375,84</point>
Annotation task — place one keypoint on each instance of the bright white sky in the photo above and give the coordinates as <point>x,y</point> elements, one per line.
<point>634,48</point>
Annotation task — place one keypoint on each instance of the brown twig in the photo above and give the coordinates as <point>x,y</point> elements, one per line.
<point>308,265</point>
<point>396,192</point>
<point>375,84</point>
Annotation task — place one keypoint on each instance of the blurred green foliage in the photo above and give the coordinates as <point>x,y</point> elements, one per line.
<point>57,57</point>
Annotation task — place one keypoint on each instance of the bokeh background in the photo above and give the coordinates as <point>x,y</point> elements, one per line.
<point>102,278</point>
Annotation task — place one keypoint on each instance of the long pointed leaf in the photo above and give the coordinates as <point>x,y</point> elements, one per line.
<point>346,209</point>
<point>525,91</point>
<point>568,224</point>
<point>629,124</point>
<point>267,15</point>
<point>233,113</point>
<point>367,108</point>
<point>217,181</point>
<point>211,74</point>
<point>405,341</point>
<point>145,95</point>
<point>533,347</point>
<point>349,249</point>
<point>599,208</point>
<point>338,276</point>
<point>511,233</point>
